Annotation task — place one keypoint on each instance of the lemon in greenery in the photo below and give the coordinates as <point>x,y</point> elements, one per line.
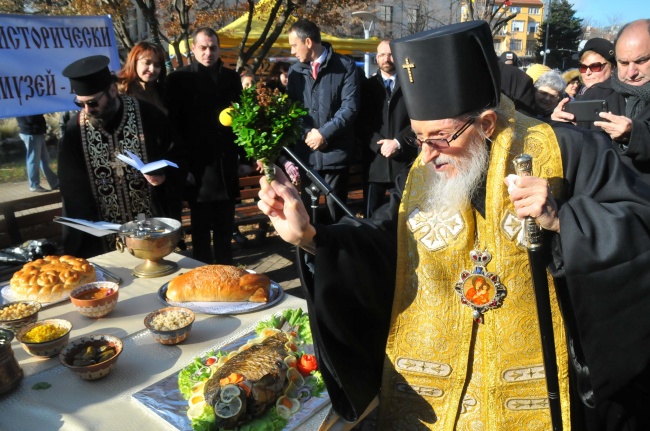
<point>229,392</point>
<point>225,118</point>
<point>228,410</point>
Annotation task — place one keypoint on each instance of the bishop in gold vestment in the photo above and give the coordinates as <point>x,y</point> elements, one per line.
<point>444,359</point>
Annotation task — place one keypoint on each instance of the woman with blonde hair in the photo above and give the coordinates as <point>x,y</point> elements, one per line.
<point>144,73</point>
<point>573,83</point>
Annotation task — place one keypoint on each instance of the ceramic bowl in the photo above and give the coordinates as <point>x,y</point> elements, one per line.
<point>92,371</point>
<point>95,307</point>
<point>27,310</point>
<point>46,348</point>
<point>178,321</point>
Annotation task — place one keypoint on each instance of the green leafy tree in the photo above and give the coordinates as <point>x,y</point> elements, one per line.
<point>563,31</point>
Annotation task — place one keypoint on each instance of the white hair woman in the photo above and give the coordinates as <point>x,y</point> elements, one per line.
<point>549,90</point>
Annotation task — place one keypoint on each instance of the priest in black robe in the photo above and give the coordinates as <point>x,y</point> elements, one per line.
<point>363,278</point>
<point>95,184</point>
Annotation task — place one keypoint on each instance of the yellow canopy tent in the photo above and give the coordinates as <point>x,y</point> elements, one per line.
<point>231,35</point>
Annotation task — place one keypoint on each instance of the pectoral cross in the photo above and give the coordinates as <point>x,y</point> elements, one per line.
<point>408,66</point>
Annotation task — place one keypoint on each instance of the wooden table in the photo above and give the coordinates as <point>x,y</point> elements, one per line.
<point>73,404</point>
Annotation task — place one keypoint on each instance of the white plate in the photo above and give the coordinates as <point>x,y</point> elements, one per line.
<point>7,295</point>
<point>218,308</point>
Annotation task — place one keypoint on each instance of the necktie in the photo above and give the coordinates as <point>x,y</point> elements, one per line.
<point>314,69</point>
<point>388,83</point>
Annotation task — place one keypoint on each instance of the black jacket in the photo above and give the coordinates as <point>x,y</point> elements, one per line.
<point>384,117</point>
<point>602,91</point>
<point>636,152</point>
<point>32,125</point>
<point>333,103</point>
<point>196,96</point>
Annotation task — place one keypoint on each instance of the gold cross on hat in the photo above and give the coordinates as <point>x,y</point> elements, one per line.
<point>408,66</point>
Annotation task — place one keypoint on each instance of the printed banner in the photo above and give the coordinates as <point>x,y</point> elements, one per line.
<point>34,50</point>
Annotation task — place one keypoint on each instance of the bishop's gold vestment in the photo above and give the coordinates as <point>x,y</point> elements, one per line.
<point>444,371</point>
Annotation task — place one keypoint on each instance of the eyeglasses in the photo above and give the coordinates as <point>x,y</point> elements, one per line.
<point>439,143</point>
<point>89,103</point>
<point>594,67</point>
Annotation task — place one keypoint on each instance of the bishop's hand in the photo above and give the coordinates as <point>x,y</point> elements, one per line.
<point>281,202</point>
<point>532,197</point>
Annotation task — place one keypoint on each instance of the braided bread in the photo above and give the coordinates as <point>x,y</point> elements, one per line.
<point>51,278</point>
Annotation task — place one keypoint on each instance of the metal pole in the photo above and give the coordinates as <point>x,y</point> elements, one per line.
<point>537,257</point>
<point>366,56</point>
<point>548,22</point>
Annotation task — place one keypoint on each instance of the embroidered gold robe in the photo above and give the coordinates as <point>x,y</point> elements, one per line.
<point>457,374</point>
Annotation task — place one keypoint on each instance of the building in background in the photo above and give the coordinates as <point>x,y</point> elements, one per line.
<point>519,34</point>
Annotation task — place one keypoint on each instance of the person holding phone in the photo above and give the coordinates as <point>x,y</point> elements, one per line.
<point>630,130</point>
<point>597,61</point>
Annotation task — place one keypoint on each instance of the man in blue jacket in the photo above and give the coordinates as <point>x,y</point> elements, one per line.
<point>327,85</point>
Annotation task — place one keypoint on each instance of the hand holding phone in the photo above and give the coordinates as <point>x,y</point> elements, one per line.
<point>586,110</point>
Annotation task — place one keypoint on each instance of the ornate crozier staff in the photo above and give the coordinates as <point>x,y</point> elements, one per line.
<point>536,255</point>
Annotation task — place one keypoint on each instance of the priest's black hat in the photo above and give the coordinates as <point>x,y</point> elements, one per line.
<point>449,71</point>
<point>510,56</point>
<point>89,75</point>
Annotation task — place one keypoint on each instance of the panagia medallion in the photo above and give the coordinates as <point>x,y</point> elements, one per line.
<point>479,289</point>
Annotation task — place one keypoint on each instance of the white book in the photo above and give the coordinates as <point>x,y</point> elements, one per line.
<point>133,160</point>
<point>96,228</point>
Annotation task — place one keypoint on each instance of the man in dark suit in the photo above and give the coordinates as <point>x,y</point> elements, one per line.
<point>197,94</point>
<point>326,83</point>
<point>386,120</point>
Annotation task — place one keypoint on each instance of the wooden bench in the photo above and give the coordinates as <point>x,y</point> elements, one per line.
<point>33,217</point>
<point>30,218</point>
<point>247,213</point>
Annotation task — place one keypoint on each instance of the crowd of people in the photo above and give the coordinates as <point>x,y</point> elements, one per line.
<point>438,264</point>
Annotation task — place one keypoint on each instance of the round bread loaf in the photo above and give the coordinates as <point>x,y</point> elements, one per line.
<point>219,283</point>
<point>51,278</point>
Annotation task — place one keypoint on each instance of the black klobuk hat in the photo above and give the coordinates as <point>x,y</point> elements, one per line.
<point>89,75</point>
<point>449,71</point>
<point>510,56</point>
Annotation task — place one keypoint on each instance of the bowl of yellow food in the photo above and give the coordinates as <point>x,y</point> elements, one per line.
<point>92,357</point>
<point>16,315</point>
<point>45,338</point>
<point>170,325</point>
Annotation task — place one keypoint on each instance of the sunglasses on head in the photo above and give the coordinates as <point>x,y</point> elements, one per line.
<point>594,67</point>
<point>90,103</point>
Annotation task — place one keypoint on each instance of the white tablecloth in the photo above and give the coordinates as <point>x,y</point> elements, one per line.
<point>73,404</point>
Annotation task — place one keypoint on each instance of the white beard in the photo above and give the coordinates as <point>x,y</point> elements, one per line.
<point>456,192</point>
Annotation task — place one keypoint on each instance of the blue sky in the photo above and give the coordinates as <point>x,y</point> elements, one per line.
<point>601,12</point>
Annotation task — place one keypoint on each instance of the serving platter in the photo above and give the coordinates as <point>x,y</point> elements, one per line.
<point>222,308</point>
<point>7,295</point>
<point>165,400</point>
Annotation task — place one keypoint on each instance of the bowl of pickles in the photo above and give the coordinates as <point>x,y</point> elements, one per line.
<point>92,357</point>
